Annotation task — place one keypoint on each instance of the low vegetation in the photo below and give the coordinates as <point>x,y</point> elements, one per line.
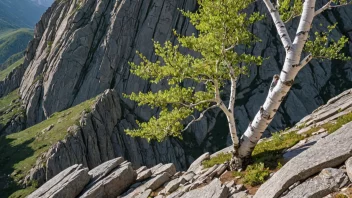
<point>10,107</point>
<point>267,156</point>
<point>14,42</point>
<point>8,69</point>
<point>332,126</point>
<point>21,150</point>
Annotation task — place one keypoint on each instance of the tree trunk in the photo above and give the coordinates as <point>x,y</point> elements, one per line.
<point>282,85</point>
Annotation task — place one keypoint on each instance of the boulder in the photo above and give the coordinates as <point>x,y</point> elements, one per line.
<point>328,152</point>
<point>213,190</point>
<point>104,169</point>
<point>113,184</point>
<point>144,194</point>
<point>328,181</point>
<point>157,181</point>
<point>198,162</point>
<point>144,175</point>
<point>167,168</point>
<point>172,186</point>
<point>349,168</point>
<point>67,184</point>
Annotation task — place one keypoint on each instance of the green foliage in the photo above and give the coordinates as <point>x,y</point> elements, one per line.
<point>10,107</point>
<point>326,48</point>
<point>290,9</point>
<point>219,159</point>
<point>222,27</point>
<point>270,151</point>
<point>340,196</point>
<point>19,151</point>
<point>256,174</point>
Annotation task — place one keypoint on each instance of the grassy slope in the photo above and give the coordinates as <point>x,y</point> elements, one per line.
<point>10,106</point>
<point>8,69</point>
<point>20,150</point>
<point>13,42</point>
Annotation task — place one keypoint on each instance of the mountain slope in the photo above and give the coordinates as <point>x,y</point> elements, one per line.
<point>86,46</point>
<point>19,14</point>
<point>14,42</point>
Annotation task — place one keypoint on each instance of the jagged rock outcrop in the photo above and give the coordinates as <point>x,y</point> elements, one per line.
<point>84,47</point>
<point>69,183</point>
<point>325,183</point>
<point>99,138</point>
<point>116,177</point>
<point>12,81</point>
<point>331,151</point>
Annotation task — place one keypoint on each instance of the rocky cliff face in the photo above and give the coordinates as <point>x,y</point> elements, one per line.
<point>99,137</point>
<point>82,47</point>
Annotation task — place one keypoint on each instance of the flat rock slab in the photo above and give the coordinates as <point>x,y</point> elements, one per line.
<point>69,183</point>
<point>112,185</point>
<point>349,168</point>
<point>105,168</point>
<point>198,162</point>
<point>328,181</point>
<point>213,190</point>
<point>331,151</point>
<point>167,168</point>
<point>302,146</point>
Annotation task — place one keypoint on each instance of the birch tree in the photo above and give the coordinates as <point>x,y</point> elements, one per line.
<point>224,27</point>
<point>299,53</point>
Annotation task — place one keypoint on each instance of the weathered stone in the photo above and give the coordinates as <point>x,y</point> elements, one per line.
<point>140,169</point>
<point>144,175</point>
<point>166,168</point>
<point>188,176</point>
<point>113,184</point>
<point>302,146</point>
<point>157,181</point>
<point>241,194</point>
<point>172,186</point>
<point>69,183</point>
<point>144,194</point>
<point>156,167</point>
<point>198,162</point>
<point>213,190</point>
<point>328,181</point>
<point>349,168</point>
<point>104,169</point>
<point>328,152</point>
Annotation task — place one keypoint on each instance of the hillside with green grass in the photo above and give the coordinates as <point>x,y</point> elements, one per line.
<point>14,42</point>
<point>7,70</point>
<point>20,150</point>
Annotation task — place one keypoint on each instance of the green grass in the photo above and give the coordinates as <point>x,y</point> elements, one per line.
<point>14,42</point>
<point>6,71</point>
<point>266,156</point>
<point>332,126</point>
<point>256,174</point>
<point>270,151</point>
<point>19,151</point>
<point>219,159</point>
<point>10,106</point>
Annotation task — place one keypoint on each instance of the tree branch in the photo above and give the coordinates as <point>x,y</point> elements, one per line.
<point>233,90</point>
<point>280,26</point>
<point>200,117</point>
<point>328,6</point>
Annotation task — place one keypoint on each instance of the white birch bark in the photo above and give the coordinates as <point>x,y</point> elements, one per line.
<point>282,85</point>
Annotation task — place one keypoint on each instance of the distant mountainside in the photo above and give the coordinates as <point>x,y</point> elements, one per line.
<point>13,42</point>
<point>46,3</point>
<point>20,13</point>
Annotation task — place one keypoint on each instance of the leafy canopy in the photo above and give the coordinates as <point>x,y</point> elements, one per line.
<point>222,27</point>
